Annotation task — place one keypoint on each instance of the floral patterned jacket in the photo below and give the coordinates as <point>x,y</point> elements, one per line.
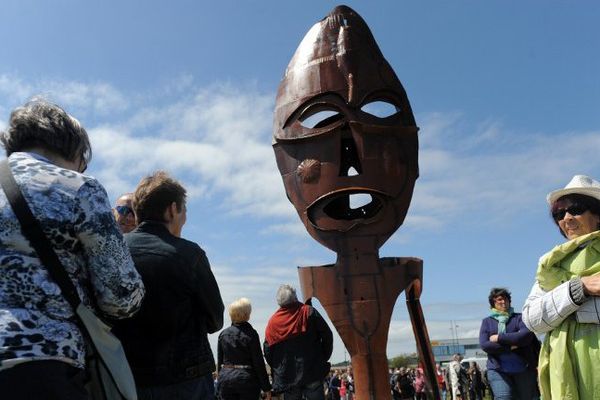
<point>36,322</point>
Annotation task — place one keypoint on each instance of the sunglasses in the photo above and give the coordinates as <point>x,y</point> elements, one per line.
<point>82,165</point>
<point>574,209</point>
<point>123,210</point>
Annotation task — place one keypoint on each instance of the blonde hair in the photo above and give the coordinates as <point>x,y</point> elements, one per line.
<point>240,310</point>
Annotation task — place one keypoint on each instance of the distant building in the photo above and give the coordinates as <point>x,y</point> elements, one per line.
<point>467,347</point>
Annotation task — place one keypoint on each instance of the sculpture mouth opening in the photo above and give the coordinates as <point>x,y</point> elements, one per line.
<point>352,206</point>
<point>343,209</point>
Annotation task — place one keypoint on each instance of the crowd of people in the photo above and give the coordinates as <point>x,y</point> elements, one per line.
<point>455,381</point>
<point>130,264</point>
<point>339,384</point>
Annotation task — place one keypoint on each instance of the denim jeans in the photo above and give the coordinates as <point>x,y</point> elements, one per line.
<point>520,386</point>
<point>311,391</point>
<point>202,388</point>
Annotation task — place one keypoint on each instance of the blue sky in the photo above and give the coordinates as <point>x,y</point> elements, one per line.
<point>506,94</point>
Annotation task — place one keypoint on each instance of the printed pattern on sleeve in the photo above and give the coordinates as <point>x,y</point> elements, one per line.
<point>36,322</point>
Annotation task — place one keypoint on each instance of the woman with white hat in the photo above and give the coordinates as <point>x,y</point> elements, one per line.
<point>564,302</point>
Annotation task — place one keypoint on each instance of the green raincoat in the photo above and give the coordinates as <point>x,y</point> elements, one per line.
<point>569,364</point>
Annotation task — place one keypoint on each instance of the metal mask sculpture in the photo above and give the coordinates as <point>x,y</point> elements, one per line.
<point>336,74</point>
<point>345,140</point>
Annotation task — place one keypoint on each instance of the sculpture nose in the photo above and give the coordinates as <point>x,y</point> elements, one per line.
<point>349,162</point>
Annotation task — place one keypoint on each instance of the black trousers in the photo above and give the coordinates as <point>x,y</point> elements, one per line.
<point>43,380</point>
<point>245,394</point>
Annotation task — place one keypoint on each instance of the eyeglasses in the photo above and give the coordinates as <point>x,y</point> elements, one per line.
<point>573,209</point>
<point>124,210</point>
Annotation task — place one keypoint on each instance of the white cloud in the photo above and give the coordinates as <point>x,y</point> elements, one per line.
<point>216,140</point>
<point>295,228</point>
<point>15,88</point>
<point>77,97</point>
<point>476,171</point>
<point>102,98</point>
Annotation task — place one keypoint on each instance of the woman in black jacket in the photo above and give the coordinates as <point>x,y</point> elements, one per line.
<point>242,371</point>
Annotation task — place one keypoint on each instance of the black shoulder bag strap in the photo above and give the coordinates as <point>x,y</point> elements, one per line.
<point>31,229</point>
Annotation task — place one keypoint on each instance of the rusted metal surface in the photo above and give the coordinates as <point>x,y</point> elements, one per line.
<point>345,141</point>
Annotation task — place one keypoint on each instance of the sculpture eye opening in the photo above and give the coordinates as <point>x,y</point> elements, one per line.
<point>380,108</point>
<point>320,117</point>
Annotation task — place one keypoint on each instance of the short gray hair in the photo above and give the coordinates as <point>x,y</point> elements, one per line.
<point>44,124</point>
<point>286,294</point>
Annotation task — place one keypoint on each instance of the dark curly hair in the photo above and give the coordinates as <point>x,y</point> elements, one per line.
<point>495,292</point>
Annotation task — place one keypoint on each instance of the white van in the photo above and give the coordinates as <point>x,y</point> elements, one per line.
<point>481,362</point>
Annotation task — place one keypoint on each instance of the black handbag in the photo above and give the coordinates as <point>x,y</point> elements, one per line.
<point>106,364</point>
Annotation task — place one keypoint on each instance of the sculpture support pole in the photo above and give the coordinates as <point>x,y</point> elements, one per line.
<point>422,337</point>
<point>360,305</point>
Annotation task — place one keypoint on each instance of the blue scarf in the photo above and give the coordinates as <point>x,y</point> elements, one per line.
<point>502,317</point>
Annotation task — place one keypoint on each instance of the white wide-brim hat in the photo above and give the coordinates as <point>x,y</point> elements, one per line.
<point>580,184</point>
